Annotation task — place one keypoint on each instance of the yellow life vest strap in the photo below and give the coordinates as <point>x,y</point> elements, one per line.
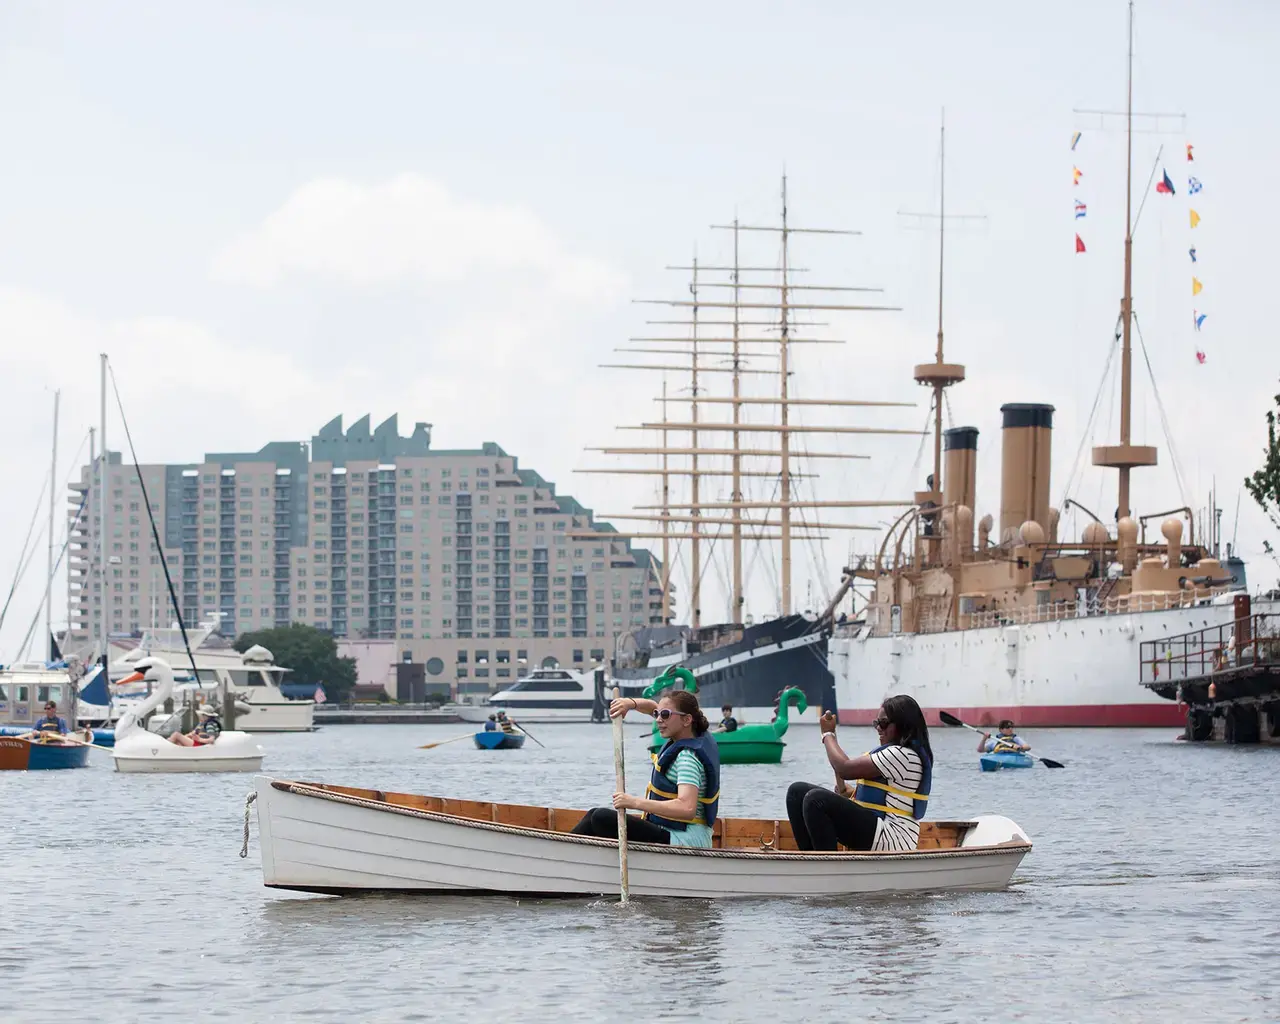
<point>883,807</point>
<point>893,789</point>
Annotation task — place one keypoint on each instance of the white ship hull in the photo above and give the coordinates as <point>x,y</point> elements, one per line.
<point>1069,672</point>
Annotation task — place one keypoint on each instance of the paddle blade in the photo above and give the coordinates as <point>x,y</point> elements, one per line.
<point>949,719</point>
<point>1051,764</point>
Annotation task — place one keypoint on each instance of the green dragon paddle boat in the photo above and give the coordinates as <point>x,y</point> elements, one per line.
<point>748,744</point>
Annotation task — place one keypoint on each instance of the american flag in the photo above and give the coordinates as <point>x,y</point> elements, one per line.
<point>320,698</point>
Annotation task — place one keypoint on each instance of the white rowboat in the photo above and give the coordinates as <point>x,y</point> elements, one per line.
<point>338,840</point>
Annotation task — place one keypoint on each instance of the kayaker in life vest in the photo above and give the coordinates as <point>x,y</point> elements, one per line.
<point>683,794</point>
<point>884,809</point>
<point>1006,739</point>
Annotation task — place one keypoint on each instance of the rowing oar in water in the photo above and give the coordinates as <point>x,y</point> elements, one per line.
<point>525,730</point>
<point>950,719</point>
<point>620,781</point>
<point>441,743</point>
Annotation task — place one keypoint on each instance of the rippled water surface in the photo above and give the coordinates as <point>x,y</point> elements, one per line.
<point>1152,894</point>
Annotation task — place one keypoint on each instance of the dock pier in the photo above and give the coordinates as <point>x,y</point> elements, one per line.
<point>1227,677</point>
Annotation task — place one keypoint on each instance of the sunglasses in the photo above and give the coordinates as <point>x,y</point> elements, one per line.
<point>881,723</point>
<point>666,713</point>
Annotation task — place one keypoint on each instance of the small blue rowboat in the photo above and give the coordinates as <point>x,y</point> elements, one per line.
<point>1006,759</point>
<point>498,740</point>
<point>25,756</point>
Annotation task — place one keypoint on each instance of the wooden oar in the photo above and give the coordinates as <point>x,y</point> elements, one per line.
<point>441,743</point>
<point>950,719</point>
<point>620,780</point>
<point>68,737</point>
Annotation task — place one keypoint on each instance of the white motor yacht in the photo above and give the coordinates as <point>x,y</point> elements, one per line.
<point>544,695</point>
<point>253,677</point>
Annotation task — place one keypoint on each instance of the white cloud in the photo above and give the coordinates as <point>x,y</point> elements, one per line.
<point>409,230</point>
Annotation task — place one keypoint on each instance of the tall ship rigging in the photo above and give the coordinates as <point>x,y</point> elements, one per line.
<point>1025,623</point>
<point>735,464</point>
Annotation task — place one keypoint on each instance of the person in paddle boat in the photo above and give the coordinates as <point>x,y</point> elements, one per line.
<point>727,722</point>
<point>1006,739</point>
<point>50,726</point>
<point>202,735</point>
<point>891,786</point>
<point>683,794</point>
<point>508,726</point>
<point>491,725</point>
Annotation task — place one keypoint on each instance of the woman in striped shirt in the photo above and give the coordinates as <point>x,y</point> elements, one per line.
<point>884,809</point>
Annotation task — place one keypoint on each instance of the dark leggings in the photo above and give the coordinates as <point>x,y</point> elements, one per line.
<point>821,818</point>
<point>602,822</point>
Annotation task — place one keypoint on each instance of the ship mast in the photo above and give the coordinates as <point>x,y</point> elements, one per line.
<point>1126,456</point>
<point>779,315</point>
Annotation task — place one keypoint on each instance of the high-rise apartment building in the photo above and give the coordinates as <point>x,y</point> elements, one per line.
<point>468,561</point>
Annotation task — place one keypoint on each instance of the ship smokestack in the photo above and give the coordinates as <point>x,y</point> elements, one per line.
<point>1024,482</point>
<point>960,468</point>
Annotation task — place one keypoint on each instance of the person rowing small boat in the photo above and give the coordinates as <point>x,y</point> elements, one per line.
<point>683,794</point>
<point>893,782</point>
<point>1005,741</point>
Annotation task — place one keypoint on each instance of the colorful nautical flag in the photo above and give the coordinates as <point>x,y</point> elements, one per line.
<point>1193,185</point>
<point>1166,185</point>
<point>1199,359</point>
<point>1195,218</point>
<point>1081,209</point>
<point>1079,244</point>
<point>1198,318</point>
<point>1192,252</point>
<point>1189,156</point>
<point>1075,138</point>
<point>1075,175</point>
<point>1196,286</point>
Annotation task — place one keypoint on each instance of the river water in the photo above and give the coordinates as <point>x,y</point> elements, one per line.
<point>1152,894</point>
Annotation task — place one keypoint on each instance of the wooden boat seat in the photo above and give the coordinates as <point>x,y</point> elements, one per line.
<point>747,834</point>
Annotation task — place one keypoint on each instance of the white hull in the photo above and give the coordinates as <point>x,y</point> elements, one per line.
<point>1069,672</point>
<point>281,716</point>
<point>479,713</point>
<point>142,752</point>
<point>323,842</point>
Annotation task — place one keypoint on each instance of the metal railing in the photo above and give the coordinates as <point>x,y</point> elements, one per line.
<point>1253,641</point>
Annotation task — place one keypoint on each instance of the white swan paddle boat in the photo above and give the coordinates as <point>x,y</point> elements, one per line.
<point>338,840</point>
<point>137,750</point>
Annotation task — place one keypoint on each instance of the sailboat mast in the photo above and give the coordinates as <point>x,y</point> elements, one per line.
<point>942,240</point>
<point>102,503</point>
<point>666,522</point>
<point>695,545</point>
<point>1126,303</point>
<point>53,492</point>
<point>784,445</point>
<point>736,487</point>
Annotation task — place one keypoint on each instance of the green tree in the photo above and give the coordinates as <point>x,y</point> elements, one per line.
<point>310,653</point>
<point>1264,485</point>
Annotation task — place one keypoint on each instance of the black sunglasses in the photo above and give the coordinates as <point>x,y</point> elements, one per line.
<point>666,713</point>
<point>881,723</point>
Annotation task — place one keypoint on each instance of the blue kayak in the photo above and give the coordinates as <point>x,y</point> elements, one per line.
<point>1006,759</point>
<point>498,740</point>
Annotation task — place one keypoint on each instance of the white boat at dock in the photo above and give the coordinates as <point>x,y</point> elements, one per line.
<point>338,840</point>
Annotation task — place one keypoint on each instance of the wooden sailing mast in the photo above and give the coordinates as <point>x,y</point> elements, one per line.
<point>781,312</point>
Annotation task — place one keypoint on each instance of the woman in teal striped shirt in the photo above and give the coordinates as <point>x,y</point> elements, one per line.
<point>683,794</point>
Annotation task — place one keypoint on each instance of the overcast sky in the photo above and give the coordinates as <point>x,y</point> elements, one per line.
<point>270,213</point>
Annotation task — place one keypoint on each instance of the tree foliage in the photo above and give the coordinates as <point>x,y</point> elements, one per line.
<point>310,653</point>
<point>1264,485</point>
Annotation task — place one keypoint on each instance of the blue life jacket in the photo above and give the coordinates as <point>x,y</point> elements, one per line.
<point>51,725</point>
<point>662,787</point>
<point>873,794</point>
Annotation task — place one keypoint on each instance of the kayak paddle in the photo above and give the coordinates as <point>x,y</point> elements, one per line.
<point>950,719</point>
